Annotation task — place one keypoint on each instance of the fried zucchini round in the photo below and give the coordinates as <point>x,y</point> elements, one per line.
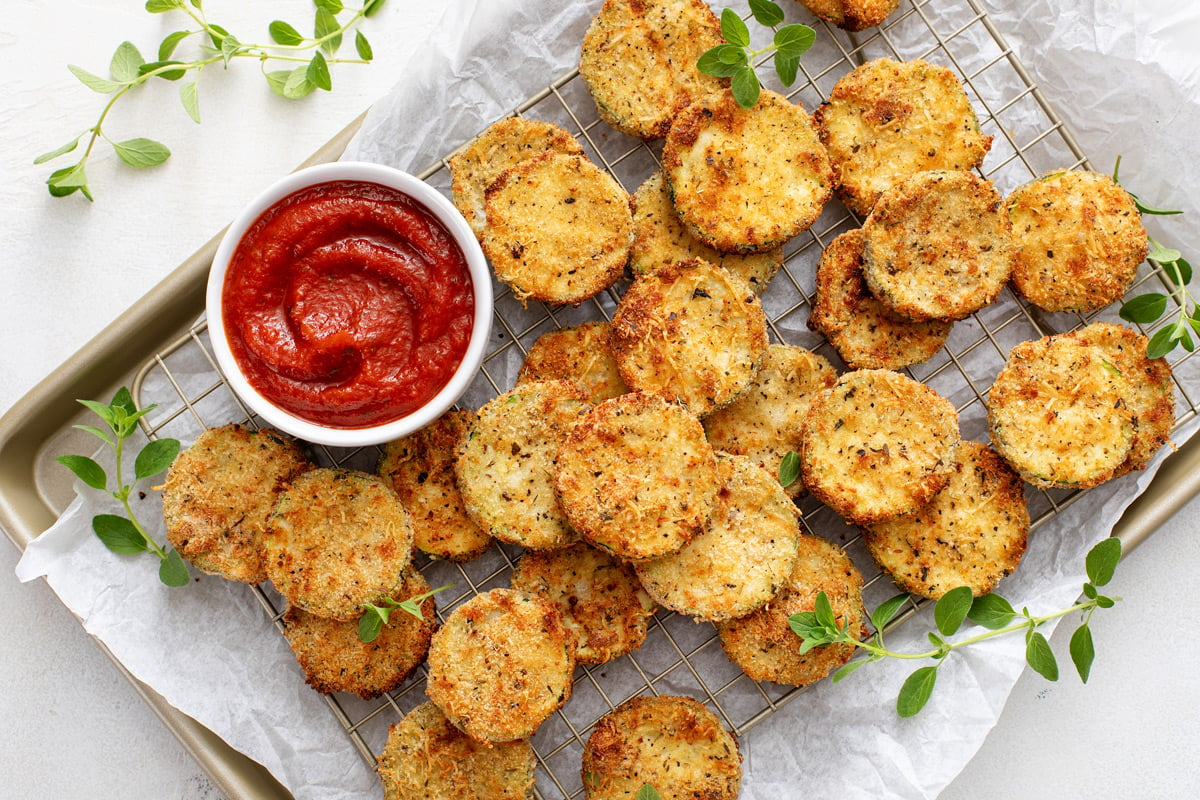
<point>501,664</point>
<point>420,468</point>
<point>1079,241</point>
<point>973,533</point>
<point>427,758</point>
<point>877,445</point>
<point>334,659</point>
<point>1153,398</point>
<point>219,493</point>
<point>765,421</point>
<point>692,333</point>
<point>558,229</point>
<point>888,119</point>
<point>600,599</point>
<point>638,60</point>
<point>852,15</point>
<point>746,180</point>
<point>938,245</point>
<point>660,239</point>
<point>579,353</point>
<point>504,144</point>
<point>675,744</point>
<point>505,468</point>
<point>337,539</point>
<point>637,477</point>
<point>765,646</point>
<point>865,333</point>
<point>742,557</point>
<point>1059,413</point>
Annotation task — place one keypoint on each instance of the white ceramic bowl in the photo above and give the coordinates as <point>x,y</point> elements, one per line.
<point>445,212</point>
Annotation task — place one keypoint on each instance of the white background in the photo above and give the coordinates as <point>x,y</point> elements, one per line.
<point>70,727</point>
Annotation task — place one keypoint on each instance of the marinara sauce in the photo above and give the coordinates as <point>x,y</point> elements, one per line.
<point>348,304</point>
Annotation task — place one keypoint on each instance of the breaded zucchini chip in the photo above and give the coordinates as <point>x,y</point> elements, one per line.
<point>1153,399</point>
<point>938,245</point>
<point>888,119</point>
<point>660,240</point>
<point>427,758</point>
<point>337,539</point>
<point>420,468</point>
<point>505,469</point>
<point>334,659</point>
<point>742,557</point>
<point>1079,241</point>
<point>692,333</point>
<point>600,599</point>
<point>746,180</point>
<point>501,665</point>
<point>503,144</point>
<point>852,15</point>
<point>864,331</point>
<point>219,493</point>
<point>579,353</point>
<point>973,533</point>
<point>638,60</point>
<point>674,744</point>
<point>765,421</point>
<point>765,646</point>
<point>637,477</point>
<point>558,229</point>
<point>877,445</point>
<point>1059,413</point>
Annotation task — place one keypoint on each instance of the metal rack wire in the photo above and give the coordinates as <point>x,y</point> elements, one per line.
<point>681,656</point>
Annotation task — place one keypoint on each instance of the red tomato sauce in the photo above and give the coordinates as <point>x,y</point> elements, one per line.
<point>348,304</point>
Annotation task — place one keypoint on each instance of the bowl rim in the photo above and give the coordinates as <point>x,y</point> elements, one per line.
<point>434,202</point>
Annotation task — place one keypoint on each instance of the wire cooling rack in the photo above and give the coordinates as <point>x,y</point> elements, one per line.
<point>681,656</point>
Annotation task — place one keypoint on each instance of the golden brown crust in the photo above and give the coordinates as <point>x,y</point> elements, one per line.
<point>427,758</point>
<point>1059,413</point>
<point>852,15</point>
<point>420,468</point>
<point>692,333</point>
<point>637,477</point>
<point>336,540</point>
<point>600,599</point>
<point>501,664</point>
<point>660,239</point>
<point>741,558</point>
<point>938,245</point>
<point>505,468</point>
<point>675,744</point>
<point>638,60</point>
<point>865,333</point>
<point>973,533</point>
<point>579,353</point>
<point>746,180</point>
<point>1079,241</point>
<point>764,645</point>
<point>877,445</point>
<point>334,659</point>
<point>219,492</point>
<point>558,228</point>
<point>503,144</point>
<point>889,119</point>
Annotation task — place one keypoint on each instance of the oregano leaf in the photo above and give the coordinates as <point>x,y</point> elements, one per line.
<point>794,40</point>
<point>766,12</point>
<point>318,72</point>
<point>916,691</point>
<point>86,469</point>
<point>95,82</point>
<point>297,84</point>
<point>155,457</point>
<point>786,67</point>
<point>173,571</point>
<point>125,62</point>
<point>733,28</point>
<point>283,33</point>
<point>1161,343</point>
<point>1145,308</point>
<point>371,7</point>
<point>1040,657</point>
<point>848,669</point>
<point>141,152</point>
<point>167,48</point>
<point>189,96</point>
<point>647,792</point>
<point>370,624</point>
<point>745,86</point>
<point>363,47</point>
<point>952,608</point>
<point>991,611</point>
<point>162,6</point>
<point>327,26</point>
<point>118,534</point>
<point>886,611</point>
<point>60,151</point>
<point>332,6</point>
<point>789,468</point>
<point>1083,651</point>
<point>1101,560</point>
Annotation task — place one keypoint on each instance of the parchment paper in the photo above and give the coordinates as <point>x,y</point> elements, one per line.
<point>1122,85</point>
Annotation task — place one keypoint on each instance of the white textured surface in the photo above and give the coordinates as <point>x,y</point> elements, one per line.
<point>71,267</point>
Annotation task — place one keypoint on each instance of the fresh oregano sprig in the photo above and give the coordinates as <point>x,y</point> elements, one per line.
<point>374,617</point>
<point>735,58</point>
<point>1148,308</point>
<point>129,70</point>
<point>820,627</point>
<point>125,534</point>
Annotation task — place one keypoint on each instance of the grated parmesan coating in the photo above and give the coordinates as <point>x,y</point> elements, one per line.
<point>973,533</point>
<point>579,353</point>
<point>852,15</point>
